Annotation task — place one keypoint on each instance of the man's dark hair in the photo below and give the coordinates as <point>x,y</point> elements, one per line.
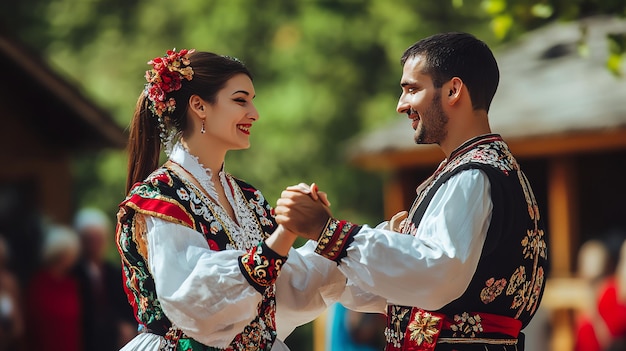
<point>462,55</point>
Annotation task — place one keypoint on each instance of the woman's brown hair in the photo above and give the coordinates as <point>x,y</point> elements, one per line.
<point>211,72</point>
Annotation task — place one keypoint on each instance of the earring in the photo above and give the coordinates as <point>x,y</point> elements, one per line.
<point>202,130</point>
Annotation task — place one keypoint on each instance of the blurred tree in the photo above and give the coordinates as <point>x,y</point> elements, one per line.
<point>324,71</point>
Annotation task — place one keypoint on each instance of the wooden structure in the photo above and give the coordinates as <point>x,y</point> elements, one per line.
<point>564,117</point>
<point>44,120</point>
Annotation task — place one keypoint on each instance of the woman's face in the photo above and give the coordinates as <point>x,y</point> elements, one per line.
<point>229,119</point>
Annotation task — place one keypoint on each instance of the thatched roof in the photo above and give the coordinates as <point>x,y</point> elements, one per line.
<point>547,91</point>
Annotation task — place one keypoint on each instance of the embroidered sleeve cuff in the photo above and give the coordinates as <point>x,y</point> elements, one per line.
<point>335,239</point>
<point>261,266</point>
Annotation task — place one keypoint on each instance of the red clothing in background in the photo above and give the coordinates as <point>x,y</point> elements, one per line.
<point>612,315</point>
<point>54,316</point>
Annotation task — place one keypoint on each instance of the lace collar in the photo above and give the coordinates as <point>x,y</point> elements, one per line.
<point>191,164</point>
<point>246,232</point>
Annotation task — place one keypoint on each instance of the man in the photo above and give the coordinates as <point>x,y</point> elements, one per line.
<point>469,271</point>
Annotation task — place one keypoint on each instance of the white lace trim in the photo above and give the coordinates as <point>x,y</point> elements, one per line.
<point>245,235</point>
<point>192,164</point>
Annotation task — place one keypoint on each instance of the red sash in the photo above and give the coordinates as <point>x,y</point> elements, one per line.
<point>424,328</point>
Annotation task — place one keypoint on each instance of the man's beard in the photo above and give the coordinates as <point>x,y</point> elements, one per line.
<point>432,129</point>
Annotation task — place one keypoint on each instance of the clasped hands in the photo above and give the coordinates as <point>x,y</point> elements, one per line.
<point>304,210</point>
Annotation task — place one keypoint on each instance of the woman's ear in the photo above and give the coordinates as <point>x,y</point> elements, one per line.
<point>197,106</point>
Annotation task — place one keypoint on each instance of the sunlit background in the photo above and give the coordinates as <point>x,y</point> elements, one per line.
<point>327,76</point>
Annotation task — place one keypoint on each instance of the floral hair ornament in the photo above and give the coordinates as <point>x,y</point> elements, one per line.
<point>166,76</point>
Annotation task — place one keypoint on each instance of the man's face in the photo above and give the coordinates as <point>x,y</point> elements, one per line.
<point>422,103</point>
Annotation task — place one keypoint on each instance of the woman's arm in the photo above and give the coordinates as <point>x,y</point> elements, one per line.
<point>201,291</point>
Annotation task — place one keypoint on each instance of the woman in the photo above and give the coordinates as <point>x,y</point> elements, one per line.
<point>200,249</point>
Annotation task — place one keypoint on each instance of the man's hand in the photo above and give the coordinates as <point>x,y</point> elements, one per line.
<point>312,191</point>
<point>303,210</point>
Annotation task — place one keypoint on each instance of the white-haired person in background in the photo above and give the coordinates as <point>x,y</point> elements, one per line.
<point>52,299</point>
<point>107,319</point>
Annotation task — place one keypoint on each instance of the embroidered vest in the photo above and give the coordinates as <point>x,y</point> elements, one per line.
<point>164,195</point>
<point>509,279</point>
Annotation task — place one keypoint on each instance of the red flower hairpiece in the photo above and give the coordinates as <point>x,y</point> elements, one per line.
<point>166,76</point>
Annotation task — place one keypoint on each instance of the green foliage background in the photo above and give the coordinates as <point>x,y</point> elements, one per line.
<point>325,71</point>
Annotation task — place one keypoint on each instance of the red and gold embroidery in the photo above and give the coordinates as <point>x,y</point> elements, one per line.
<point>424,328</point>
<point>334,238</point>
<point>262,266</point>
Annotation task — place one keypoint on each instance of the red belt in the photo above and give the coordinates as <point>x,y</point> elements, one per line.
<point>424,328</point>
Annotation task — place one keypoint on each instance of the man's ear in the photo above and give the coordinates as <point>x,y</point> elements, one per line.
<point>454,88</point>
<point>197,106</point>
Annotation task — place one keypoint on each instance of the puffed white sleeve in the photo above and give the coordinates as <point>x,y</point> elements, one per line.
<point>201,291</point>
<point>430,269</point>
<point>308,284</point>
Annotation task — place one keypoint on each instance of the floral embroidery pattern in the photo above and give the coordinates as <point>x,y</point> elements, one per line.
<point>256,204</point>
<point>393,332</point>
<point>466,325</point>
<point>492,290</point>
<point>534,244</point>
<point>533,299</point>
<point>424,328</point>
<point>262,266</point>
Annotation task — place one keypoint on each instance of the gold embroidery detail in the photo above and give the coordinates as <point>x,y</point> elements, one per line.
<point>260,272</point>
<point>330,245</point>
<point>327,235</point>
<point>140,230</point>
<point>466,325</point>
<point>424,328</point>
<point>492,290</point>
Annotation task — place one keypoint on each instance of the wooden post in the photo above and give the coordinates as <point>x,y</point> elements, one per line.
<point>563,233</point>
<point>562,215</point>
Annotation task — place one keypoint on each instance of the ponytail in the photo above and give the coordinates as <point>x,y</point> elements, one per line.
<point>144,145</point>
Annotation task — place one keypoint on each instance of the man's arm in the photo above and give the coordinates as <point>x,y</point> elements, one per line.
<point>429,269</point>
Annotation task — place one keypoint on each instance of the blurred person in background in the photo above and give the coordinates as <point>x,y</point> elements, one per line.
<point>107,318</point>
<point>11,318</point>
<point>348,330</point>
<point>603,326</point>
<point>594,261</point>
<point>53,306</point>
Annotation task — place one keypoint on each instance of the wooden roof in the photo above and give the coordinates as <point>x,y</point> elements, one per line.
<point>50,105</point>
<point>550,100</point>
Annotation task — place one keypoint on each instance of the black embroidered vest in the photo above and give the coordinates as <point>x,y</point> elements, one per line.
<point>510,276</point>
<point>164,195</point>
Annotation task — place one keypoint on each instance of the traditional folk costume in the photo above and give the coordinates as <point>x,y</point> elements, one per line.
<point>199,280</point>
<point>469,272</point>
